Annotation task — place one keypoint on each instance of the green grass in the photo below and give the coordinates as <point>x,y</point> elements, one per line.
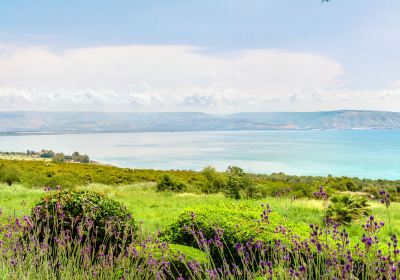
<point>158,210</point>
<point>17,200</point>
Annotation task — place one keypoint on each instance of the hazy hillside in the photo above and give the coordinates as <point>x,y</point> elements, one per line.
<point>62,122</point>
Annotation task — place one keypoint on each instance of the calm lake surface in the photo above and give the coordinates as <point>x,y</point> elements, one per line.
<point>361,153</point>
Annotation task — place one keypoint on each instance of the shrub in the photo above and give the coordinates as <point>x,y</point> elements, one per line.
<point>240,223</point>
<point>83,215</point>
<point>344,209</point>
<point>9,175</point>
<point>342,184</point>
<point>168,184</point>
<point>179,256</point>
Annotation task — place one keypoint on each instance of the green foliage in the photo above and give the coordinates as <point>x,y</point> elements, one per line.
<point>174,256</point>
<point>234,183</point>
<point>344,209</point>
<point>168,184</point>
<point>59,157</point>
<point>45,173</point>
<point>239,182</point>
<point>343,184</point>
<point>83,213</point>
<point>80,158</point>
<point>158,210</point>
<point>9,174</point>
<point>214,182</point>
<point>239,222</point>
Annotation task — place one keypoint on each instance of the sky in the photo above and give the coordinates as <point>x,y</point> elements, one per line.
<point>209,56</point>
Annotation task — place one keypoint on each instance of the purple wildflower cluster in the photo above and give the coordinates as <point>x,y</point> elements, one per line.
<point>321,194</point>
<point>265,213</point>
<point>53,251</point>
<point>385,198</point>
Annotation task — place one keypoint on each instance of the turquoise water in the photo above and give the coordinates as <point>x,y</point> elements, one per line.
<point>361,153</point>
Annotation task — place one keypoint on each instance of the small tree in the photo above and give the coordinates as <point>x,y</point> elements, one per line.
<point>239,181</point>
<point>234,183</point>
<point>9,175</point>
<point>84,159</point>
<point>214,182</point>
<point>249,187</point>
<point>80,158</point>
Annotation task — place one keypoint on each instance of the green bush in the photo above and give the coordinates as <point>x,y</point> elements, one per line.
<point>344,209</point>
<point>179,256</point>
<point>9,175</point>
<point>213,182</point>
<point>168,184</point>
<point>239,222</point>
<point>343,184</point>
<point>84,214</point>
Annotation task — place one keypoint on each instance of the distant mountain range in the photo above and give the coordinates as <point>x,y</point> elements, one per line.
<point>90,122</point>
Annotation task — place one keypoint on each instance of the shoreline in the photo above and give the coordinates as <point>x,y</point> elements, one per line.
<point>40,133</point>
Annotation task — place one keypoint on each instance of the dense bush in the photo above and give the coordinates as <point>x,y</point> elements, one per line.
<point>9,175</point>
<point>83,215</point>
<point>344,209</point>
<point>167,183</point>
<point>239,223</point>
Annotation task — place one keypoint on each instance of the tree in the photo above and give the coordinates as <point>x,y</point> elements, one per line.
<point>9,175</point>
<point>75,156</point>
<point>59,157</point>
<point>238,182</point>
<point>84,159</point>
<point>214,182</point>
<point>249,187</point>
<point>80,158</point>
<point>235,181</point>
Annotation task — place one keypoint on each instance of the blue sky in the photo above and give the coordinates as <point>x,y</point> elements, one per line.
<point>354,43</point>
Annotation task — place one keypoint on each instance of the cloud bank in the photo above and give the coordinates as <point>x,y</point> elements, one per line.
<point>178,78</point>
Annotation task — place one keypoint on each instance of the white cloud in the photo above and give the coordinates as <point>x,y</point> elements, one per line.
<point>177,78</point>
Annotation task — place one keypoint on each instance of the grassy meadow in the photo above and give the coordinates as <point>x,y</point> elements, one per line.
<point>193,225</point>
<point>156,210</point>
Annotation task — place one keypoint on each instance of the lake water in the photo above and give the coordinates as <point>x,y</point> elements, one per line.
<point>361,153</point>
